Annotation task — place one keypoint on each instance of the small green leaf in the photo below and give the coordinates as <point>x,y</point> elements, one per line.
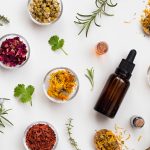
<point>19,89</point>
<point>30,89</point>
<point>90,76</point>
<point>7,120</point>
<point>61,43</point>
<point>57,43</point>
<point>53,40</point>
<point>25,97</point>
<point>55,47</point>
<point>24,94</point>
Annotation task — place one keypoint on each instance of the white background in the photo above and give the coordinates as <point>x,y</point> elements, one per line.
<point>120,36</point>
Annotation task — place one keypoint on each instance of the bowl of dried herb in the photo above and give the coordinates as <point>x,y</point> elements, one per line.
<point>40,135</point>
<point>60,85</point>
<point>44,12</point>
<point>106,139</point>
<point>14,51</point>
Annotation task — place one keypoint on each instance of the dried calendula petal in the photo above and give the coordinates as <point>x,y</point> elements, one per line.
<point>106,140</point>
<point>145,21</point>
<point>61,85</point>
<point>139,138</point>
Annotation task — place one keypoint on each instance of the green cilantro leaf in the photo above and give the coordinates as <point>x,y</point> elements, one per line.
<point>30,89</point>
<point>61,43</point>
<point>19,89</point>
<point>24,93</point>
<point>25,97</point>
<point>54,40</point>
<point>56,43</point>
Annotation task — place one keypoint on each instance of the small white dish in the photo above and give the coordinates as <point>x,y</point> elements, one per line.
<point>44,24</point>
<point>36,123</point>
<point>9,36</point>
<point>46,84</point>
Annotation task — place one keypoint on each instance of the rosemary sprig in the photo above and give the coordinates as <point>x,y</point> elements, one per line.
<point>3,20</point>
<point>86,20</point>
<point>90,76</point>
<point>2,100</point>
<point>69,131</point>
<point>3,119</point>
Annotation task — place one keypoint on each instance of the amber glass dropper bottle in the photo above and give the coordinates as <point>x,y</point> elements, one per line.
<point>116,87</point>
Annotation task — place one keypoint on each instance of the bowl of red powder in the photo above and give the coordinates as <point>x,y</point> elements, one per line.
<point>14,51</point>
<point>40,136</point>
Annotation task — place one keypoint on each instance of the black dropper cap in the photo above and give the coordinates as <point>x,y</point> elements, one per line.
<point>126,66</point>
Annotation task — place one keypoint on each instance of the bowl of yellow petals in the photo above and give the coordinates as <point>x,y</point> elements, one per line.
<point>60,85</point>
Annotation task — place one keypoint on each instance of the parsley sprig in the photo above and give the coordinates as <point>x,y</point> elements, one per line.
<point>57,44</point>
<point>69,131</point>
<point>24,93</point>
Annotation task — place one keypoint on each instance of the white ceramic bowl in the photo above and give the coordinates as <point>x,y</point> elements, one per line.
<point>44,24</point>
<point>36,123</point>
<point>9,36</point>
<point>46,84</point>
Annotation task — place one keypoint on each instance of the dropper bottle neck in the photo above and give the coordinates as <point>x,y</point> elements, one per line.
<point>126,66</point>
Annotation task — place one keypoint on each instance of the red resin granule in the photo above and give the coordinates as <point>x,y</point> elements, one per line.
<point>13,52</point>
<point>40,137</point>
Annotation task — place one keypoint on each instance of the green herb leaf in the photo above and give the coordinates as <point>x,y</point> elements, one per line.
<point>24,93</point>
<point>61,43</point>
<point>56,43</point>
<point>3,20</point>
<point>90,76</point>
<point>86,20</point>
<point>25,97</point>
<point>69,131</point>
<point>54,40</point>
<point>19,90</point>
<point>30,89</point>
<point>3,119</point>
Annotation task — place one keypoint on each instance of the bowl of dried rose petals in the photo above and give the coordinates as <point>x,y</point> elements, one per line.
<point>14,51</point>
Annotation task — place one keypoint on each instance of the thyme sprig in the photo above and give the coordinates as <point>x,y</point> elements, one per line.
<point>3,20</point>
<point>86,20</point>
<point>69,131</point>
<point>90,76</point>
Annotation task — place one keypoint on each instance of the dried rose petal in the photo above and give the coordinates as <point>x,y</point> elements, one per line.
<point>13,52</point>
